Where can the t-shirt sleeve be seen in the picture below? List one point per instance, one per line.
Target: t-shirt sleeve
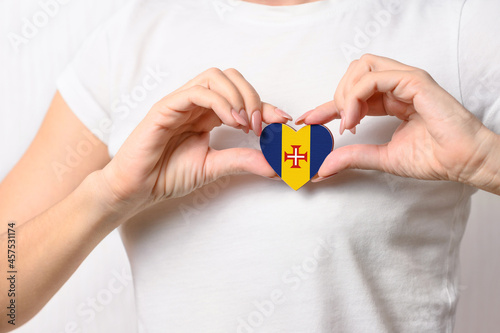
(85, 82)
(479, 60)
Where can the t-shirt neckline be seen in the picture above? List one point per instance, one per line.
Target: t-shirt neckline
(279, 14)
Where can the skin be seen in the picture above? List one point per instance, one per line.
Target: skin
(437, 140)
(168, 156)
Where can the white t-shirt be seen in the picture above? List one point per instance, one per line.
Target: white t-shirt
(362, 252)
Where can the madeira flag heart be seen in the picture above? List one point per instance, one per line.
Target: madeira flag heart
(296, 156)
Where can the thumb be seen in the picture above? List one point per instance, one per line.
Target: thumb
(232, 161)
(365, 157)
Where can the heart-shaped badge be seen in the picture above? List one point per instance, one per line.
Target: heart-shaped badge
(296, 156)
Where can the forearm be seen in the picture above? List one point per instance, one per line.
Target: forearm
(51, 246)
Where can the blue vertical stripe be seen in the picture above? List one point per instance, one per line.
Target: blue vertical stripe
(270, 143)
(321, 146)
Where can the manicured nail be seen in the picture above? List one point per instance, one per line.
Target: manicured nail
(282, 113)
(353, 130)
(320, 179)
(301, 119)
(243, 115)
(342, 122)
(239, 118)
(257, 122)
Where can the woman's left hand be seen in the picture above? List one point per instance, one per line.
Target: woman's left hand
(438, 138)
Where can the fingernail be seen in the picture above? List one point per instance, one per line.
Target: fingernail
(243, 115)
(239, 118)
(300, 120)
(320, 179)
(353, 130)
(257, 122)
(342, 122)
(282, 113)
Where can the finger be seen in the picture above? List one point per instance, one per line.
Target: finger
(371, 63)
(272, 114)
(358, 69)
(251, 98)
(269, 114)
(300, 120)
(235, 161)
(359, 99)
(344, 86)
(247, 108)
(255, 111)
(320, 115)
(220, 82)
(217, 80)
(379, 63)
(340, 90)
(172, 110)
(204, 123)
(365, 157)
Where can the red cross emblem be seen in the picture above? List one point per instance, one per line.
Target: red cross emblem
(295, 156)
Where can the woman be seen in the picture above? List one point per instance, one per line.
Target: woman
(366, 251)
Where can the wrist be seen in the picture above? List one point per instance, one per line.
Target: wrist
(109, 209)
(487, 175)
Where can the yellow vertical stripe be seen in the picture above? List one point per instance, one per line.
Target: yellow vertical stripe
(295, 177)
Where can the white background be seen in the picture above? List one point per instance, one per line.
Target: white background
(27, 84)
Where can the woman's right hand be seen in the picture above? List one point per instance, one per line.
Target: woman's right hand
(166, 156)
(168, 153)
